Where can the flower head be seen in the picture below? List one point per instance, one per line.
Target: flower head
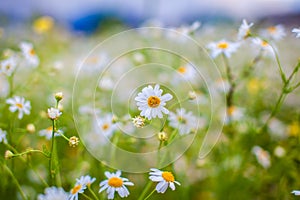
(73, 141)
(222, 47)
(162, 136)
(47, 132)
(53, 193)
(297, 31)
(262, 156)
(264, 45)
(19, 104)
(29, 54)
(58, 96)
(115, 183)
(8, 66)
(184, 121)
(107, 124)
(8, 154)
(296, 192)
(86, 180)
(3, 136)
(275, 32)
(138, 121)
(151, 102)
(79, 188)
(164, 179)
(53, 113)
(43, 24)
(244, 30)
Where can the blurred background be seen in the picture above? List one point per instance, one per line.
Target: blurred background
(88, 15)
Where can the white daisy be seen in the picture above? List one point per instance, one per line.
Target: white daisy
(184, 121)
(19, 104)
(222, 47)
(53, 193)
(296, 192)
(264, 45)
(297, 31)
(274, 32)
(115, 183)
(234, 113)
(86, 180)
(79, 188)
(244, 30)
(47, 132)
(164, 178)
(8, 66)
(151, 102)
(187, 72)
(106, 125)
(3, 136)
(54, 113)
(262, 156)
(29, 54)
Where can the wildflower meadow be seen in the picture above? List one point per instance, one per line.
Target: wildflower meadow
(198, 111)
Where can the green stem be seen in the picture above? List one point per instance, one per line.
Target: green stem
(150, 194)
(31, 151)
(86, 196)
(229, 95)
(11, 85)
(146, 189)
(283, 78)
(51, 173)
(93, 193)
(16, 182)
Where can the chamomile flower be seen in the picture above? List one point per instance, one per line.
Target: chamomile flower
(29, 54)
(79, 188)
(187, 72)
(106, 125)
(222, 47)
(244, 30)
(274, 32)
(138, 121)
(151, 102)
(54, 113)
(53, 193)
(164, 179)
(47, 133)
(297, 31)
(184, 121)
(19, 104)
(115, 183)
(296, 192)
(3, 136)
(262, 156)
(264, 45)
(8, 66)
(86, 180)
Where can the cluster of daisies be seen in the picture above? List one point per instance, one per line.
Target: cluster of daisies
(114, 183)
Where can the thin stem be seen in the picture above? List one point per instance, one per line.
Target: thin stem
(16, 181)
(93, 193)
(229, 95)
(295, 86)
(150, 194)
(31, 151)
(51, 173)
(86, 196)
(283, 78)
(248, 69)
(146, 189)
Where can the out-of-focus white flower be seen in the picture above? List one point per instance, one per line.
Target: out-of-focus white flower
(3, 136)
(86, 180)
(95, 62)
(222, 85)
(279, 151)
(164, 179)
(151, 102)
(8, 66)
(115, 183)
(234, 113)
(138, 57)
(244, 30)
(187, 72)
(29, 54)
(79, 188)
(296, 192)
(47, 133)
(106, 125)
(184, 121)
(54, 113)
(262, 156)
(297, 31)
(277, 129)
(106, 83)
(222, 47)
(53, 193)
(19, 104)
(264, 45)
(274, 32)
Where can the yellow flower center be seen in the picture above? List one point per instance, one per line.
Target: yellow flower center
(153, 101)
(272, 29)
(76, 189)
(105, 126)
(115, 182)
(19, 105)
(264, 43)
(223, 45)
(49, 128)
(181, 70)
(294, 128)
(168, 176)
(230, 110)
(32, 52)
(182, 120)
(7, 67)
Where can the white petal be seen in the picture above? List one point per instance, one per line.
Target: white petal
(172, 185)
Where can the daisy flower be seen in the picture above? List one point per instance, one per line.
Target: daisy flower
(184, 121)
(8, 66)
(79, 188)
(222, 47)
(115, 183)
(151, 102)
(262, 156)
(29, 54)
(86, 180)
(107, 125)
(164, 178)
(274, 32)
(244, 30)
(19, 104)
(297, 31)
(264, 45)
(138, 121)
(54, 113)
(296, 192)
(53, 193)
(187, 72)
(47, 132)
(3, 136)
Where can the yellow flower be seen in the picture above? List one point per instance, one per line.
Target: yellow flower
(294, 129)
(253, 86)
(43, 24)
